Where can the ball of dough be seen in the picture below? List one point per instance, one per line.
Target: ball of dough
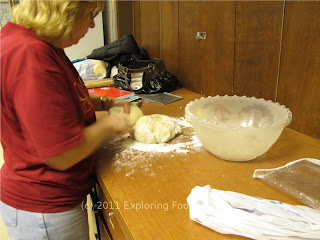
(155, 128)
(135, 113)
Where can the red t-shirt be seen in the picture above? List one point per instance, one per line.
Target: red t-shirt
(45, 107)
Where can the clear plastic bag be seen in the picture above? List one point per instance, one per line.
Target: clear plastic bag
(91, 69)
(300, 179)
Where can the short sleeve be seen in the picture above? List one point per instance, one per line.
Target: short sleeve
(48, 115)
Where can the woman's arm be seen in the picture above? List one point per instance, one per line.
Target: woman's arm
(105, 128)
(94, 135)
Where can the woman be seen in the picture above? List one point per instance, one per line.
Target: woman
(49, 129)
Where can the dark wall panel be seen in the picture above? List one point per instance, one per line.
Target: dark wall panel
(190, 49)
(169, 43)
(150, 27)
(257, 48)
(206, 66)
(218, 49)
(137, 21)
(299, 83)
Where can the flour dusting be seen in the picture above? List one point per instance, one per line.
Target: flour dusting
(135, 156)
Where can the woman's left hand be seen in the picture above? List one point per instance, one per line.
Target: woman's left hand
(123, 103)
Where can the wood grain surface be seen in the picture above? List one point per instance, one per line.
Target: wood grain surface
(299, 82)
(137, 21)
(150, 27)
(206, 66)
(190, 50)
(169, 41)
(257, 47)
(217, 60)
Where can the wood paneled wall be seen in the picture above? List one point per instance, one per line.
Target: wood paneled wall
(268, 49)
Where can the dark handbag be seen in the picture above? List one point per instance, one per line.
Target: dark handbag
(145, 76)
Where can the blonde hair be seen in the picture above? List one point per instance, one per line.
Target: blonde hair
(53, 20)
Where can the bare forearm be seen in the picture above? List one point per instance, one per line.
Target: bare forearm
(94, 135)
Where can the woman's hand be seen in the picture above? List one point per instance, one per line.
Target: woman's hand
(111, 102)
(118, 124)
(123, 103)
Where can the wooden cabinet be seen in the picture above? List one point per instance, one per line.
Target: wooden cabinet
(110, 226)
(104, 233)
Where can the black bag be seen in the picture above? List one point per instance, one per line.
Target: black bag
(120, 50)
(145, 76)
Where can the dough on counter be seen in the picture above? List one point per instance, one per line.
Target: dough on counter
(135, 113)
(155, 128)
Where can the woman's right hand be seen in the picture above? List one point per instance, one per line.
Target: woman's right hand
(119, 123)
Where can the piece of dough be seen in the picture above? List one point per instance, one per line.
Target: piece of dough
(155, 128)
(135, 113)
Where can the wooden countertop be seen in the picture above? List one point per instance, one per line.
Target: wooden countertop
(160, 183)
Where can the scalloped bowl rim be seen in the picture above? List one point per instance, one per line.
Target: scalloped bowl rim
(209, 124)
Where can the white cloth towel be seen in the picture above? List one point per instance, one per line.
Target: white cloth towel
(234, 213)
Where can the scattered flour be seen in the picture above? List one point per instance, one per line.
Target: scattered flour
(133, 156)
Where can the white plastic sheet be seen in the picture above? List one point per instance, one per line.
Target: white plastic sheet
(257, 218)
(90, 69)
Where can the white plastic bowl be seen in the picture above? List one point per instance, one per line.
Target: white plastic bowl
(237, 128)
